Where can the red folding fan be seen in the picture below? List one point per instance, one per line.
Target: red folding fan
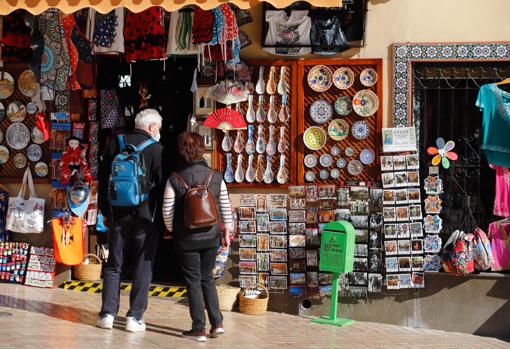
(225, 119)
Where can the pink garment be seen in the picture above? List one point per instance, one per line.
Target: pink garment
(499, 233)
(502, 197)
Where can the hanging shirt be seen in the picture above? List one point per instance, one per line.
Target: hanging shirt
(500, 243)
(106, 31)
(327, 36)
(495, 105)
(145, 35)
(502, 197)
(288, 31)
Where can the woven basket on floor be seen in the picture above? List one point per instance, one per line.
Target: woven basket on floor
(254, 306)
(227, 295)
(90, 271)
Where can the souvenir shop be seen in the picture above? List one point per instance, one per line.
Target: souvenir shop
(300, 133)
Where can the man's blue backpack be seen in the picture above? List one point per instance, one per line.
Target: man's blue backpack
(129, 184)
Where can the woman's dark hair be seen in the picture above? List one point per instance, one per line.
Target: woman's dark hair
(190, 146)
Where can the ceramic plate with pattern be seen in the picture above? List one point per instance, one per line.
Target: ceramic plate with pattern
(341, 163)
(6, 85)
(321, 111)
(27, 83)
(335, 173)
(335, 150)
(314, 138)
(355, 167)
(34, 152)
(320, 78)
(349, 152)
(365, 103)
(310, 160)
(338, 129)
(310, 176)
(37, 136)
(4, 154)
(17, 136)
(2, 111)
(32, 108)
(343, 78)
(367, 156)
(41, 169)
(343, 105)
(20, 160)
(368, 77)
(326, 160)
(360, 130)
(324, 174)
(16, 111)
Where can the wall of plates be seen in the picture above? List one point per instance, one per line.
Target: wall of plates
(340, 109)
(21, 144)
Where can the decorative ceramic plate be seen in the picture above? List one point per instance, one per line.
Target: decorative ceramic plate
(343, 105)
(34, 152)
(367, 156)
(338, 129)
(320, 78)
(310, 160)
(335, 173)
(4, 154)
(365, 103)
(368, 77)
(321, 111)
(355, 167)
(335, 150)
(360, 130)
(27, 83)
(341, 163)
(16, 111)
(17, 136)
(37, 136)
(314, 138)
(32, 108)
(349, 152)
(2, 111)
(20, 160)
(310, 176)
(41, 169)
(326, 160)
(324, 174)
(1, 135)
(6, 85)
(343, 78)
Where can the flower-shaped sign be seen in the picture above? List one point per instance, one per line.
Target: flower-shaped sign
(442, 153)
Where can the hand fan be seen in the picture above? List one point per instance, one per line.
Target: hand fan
(225, 119)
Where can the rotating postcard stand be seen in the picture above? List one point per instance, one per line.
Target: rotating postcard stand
(336, 256)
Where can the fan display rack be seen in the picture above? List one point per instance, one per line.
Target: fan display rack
(307, 96)
(290, 126)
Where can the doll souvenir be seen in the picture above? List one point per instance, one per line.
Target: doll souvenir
(144, 95)
(74, 161)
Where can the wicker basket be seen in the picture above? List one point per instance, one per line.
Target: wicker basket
(227, 295)
(254, 306)
(88, 272)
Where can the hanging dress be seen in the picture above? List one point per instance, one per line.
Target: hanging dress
(327, 37)
(106, 31)
(68, 23)
(16, 38)
(144, 34)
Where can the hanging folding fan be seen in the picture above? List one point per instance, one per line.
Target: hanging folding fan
(225, 119)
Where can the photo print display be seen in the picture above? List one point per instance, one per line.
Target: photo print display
(261, 201)
(297, 191)
(413, 178)
(418, 280)
(374, 240)
(279, 255)
(361, 236)
(311, 193)
(297, 203)
(278, 227)
(359, 222)
(247, 200)
(401, 196)
(360, 264)
(342, 196)
(278, 282)
(297, 240)
(312, 279)
(390, 247)
(404, 247)
(297, 278)
(413, 162)
(248, 240)
(263, 279)
(375, 261)
(375, 282)
(278, 268)
(247, 227)
(376, 221)
(326, 191)
(391, 264)
(414, 195)
(246, 213)
(297, 216)
(263, 261)
(297, 228)
(399, 162)
(262, 222)
(359, 194)
(278, 200)
(246, 267)
(392, 282)
(312, 237)
(311, 215)
(312, 258)
(376, 200)
(248, 281)
(404, 263)
(405, 281)
(297, 253)
(390, 231)
(358, 278)
(296, 265)
(278, 214)
(262, 242)
(389, 197)
(387, 163)
(400, 179)
(247, 254)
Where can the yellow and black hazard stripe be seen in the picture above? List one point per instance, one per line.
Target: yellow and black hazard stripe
(154, 291)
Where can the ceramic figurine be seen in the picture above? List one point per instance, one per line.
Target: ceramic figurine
(271, 146)
(283, 115)
(250, 144)
(268, 173)
(260, 146)
(283, 145)
(239, 143)
(260, 87)
(272, 115)
(283, 176)
(229, 172)
(226, 143)
(239, 175)
(261, 114)
(259, 172)
(282, 84)
(250, 171)
(250, 113)
(271, 83)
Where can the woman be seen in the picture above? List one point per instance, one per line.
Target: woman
(197, 247)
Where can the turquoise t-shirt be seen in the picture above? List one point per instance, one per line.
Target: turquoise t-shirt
(495, 105)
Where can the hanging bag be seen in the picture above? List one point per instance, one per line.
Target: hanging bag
(482, 250)
(26, 215)
(457, 254)
(68, 239)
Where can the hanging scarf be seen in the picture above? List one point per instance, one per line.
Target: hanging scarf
(202, 28)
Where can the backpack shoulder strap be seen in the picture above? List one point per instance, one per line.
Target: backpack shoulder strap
(145, 144)
(122, 141)
(181, 180)
(208, 180)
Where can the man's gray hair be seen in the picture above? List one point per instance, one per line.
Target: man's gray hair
(147, 117)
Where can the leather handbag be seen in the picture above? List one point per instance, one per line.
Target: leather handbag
(200, 210)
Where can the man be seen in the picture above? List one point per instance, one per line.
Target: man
(132, 225)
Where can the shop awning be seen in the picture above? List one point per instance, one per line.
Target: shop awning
(104, 6)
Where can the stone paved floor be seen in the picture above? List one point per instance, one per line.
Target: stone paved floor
(57, 318)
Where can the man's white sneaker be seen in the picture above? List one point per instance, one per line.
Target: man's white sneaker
(105, 321)
(134, 325)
